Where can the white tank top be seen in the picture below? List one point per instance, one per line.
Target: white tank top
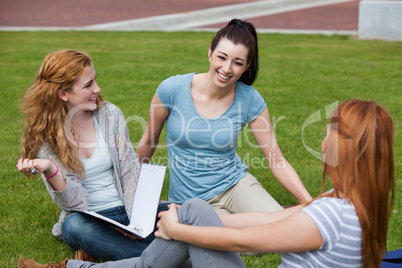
(99, 180)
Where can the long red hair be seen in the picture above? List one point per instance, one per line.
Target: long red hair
(359, 161)
(45, 113)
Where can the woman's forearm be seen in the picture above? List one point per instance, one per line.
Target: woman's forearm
(288, 177)
(294, 233)
(150, 139)
(55, 177)
(292, 230)
(217, 238)
(145, 151)
(245, 220)
(51, 172)
(281, 169)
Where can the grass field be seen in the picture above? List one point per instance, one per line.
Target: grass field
(299, 75)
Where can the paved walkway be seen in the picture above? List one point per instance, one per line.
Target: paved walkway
(338, 17)
(322, 16)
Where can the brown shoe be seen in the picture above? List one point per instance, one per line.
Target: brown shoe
(81, 255)
(28, 263)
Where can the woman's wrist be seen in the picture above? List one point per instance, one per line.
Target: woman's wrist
(175, 231)
(51, 171)
(55, 179)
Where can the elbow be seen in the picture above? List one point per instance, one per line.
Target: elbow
(145, 150)
(144, 156)
(79, 205)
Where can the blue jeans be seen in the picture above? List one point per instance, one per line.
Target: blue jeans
(172, 253)
(100, 239)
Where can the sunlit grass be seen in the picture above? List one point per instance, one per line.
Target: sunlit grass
(299, 75)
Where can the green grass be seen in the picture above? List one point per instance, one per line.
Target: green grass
(299, 75)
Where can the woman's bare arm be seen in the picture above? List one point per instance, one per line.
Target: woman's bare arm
(150, 139)
(295, 233)
(263, 132)
(250, 219)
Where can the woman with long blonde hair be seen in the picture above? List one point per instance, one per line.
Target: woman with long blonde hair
(344, 227)
(81, 147)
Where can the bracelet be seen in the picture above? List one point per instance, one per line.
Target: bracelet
(53, 174)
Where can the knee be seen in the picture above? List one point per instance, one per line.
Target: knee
(197, 212)
(196, 203)
(73, 226)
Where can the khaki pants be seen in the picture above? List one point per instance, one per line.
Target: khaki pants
(247, 195)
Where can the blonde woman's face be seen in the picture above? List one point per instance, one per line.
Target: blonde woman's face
(84, 91)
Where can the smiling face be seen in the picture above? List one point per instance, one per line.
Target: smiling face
(84, 90)
(227, 62)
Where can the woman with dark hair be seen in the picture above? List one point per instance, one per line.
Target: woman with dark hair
(204, 115)
(81, 147)
(344, 227)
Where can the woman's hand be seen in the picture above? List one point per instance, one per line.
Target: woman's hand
(33, 166)
(126, 234)
(169, 220)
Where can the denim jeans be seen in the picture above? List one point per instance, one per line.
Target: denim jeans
(100, 239)
(171, 254)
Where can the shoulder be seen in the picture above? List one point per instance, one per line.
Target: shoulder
(109, 116)
(251, 101)
(325, 205)
(326, 212)
(170, 89)
(330, 215)
(112, 107)
(337, 203)
(178, 78)
(176, 81)
(248, 92)
(109, 109)
(337, 222)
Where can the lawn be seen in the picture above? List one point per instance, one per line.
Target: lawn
(299, 76)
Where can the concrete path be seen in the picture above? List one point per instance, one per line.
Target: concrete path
(286, 16)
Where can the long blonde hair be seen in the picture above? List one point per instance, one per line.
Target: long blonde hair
(45, 113)
(360, 142)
